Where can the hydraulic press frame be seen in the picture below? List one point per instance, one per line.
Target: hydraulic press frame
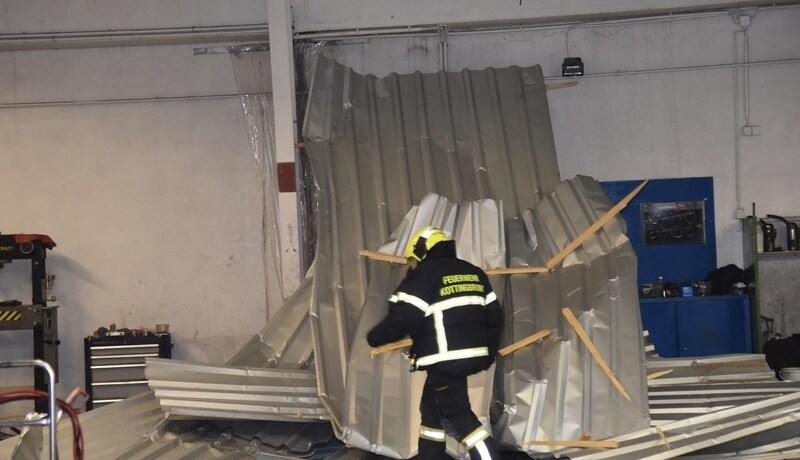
(39, 317)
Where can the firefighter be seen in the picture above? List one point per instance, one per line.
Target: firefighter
(448, 308)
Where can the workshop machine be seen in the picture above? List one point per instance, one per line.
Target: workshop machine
(39, 317)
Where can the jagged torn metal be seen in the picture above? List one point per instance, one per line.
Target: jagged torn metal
(555, 390)
(477, 227)
(381, 410)
(378, 146)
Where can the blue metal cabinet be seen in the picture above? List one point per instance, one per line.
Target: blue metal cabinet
(698, 326)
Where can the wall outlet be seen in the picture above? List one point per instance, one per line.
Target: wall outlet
(751, 130)
(741, 213)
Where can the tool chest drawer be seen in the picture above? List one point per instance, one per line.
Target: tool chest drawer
(115, 365)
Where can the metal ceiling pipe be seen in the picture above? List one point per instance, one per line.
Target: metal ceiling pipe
(133, 37)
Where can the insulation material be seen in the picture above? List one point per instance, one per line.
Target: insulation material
(598, 283)
(258, 121)
(378, 146)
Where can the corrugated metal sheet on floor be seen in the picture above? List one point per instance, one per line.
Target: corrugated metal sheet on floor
(187, 390)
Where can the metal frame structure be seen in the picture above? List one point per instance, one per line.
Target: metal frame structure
(39, 317)
(52, 418)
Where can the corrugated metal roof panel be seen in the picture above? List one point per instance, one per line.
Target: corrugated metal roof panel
(378, 146)
(187, 390)
(598, 283)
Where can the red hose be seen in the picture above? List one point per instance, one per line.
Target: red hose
(77, 432)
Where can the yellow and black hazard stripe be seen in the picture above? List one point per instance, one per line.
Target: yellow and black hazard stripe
(10, 315)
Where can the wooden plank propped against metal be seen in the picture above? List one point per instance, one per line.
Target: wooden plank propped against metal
(586, 234)
(516, 270)
(664, 438)
(578, 443)
(375, 255)
(658, 374)
(524, 342)
(561, 84)
(593, 350)
(391, 346)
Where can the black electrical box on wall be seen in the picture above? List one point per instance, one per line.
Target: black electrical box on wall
(572, 67)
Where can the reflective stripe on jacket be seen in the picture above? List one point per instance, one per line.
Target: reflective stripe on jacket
(447, 306)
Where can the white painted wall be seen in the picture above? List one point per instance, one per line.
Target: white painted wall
(663, 125)
(155, 206)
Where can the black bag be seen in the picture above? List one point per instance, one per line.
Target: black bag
(782, 353)
(721, 279)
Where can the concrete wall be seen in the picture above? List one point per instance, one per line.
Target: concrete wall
(156, 205)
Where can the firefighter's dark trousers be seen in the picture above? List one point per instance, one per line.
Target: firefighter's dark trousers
(445, 408)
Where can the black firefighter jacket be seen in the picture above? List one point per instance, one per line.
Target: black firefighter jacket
(448, 308)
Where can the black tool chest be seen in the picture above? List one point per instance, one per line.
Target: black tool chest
(115, 365)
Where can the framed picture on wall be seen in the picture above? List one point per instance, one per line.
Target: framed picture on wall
(678, 222)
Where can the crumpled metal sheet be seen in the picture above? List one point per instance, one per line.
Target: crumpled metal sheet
(706, 431)
(381, 412)
(285, 342)
(739, 368)
(703, 385)
(477, 226)
(377, 146)
(196, 391)
(598, 283)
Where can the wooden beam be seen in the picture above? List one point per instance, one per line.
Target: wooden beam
(593, 350)
(664, 438)
(559, 85)
(594, 227)
(585, 444)
(522, 343)
(516, 270)
(375, 255)
(658, 374)
(391, 346)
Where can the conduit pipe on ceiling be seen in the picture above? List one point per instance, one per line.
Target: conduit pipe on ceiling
(132, 37)
(433, 30)
(737, 19)
(443, 46)
(734, 65)
(21, 105)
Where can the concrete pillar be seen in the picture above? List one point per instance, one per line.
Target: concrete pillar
(283, 98)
